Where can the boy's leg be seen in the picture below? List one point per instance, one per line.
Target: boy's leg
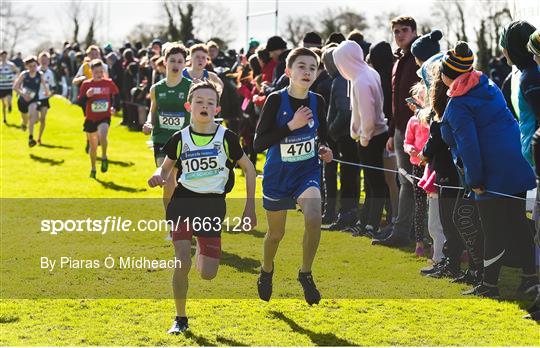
(310, 202)
(170, 183)
(4, 108)
(42, 115)
(93, 141)
(182, 251)
(207, 256)
(274, 235)
(33, 118)
(102, 132)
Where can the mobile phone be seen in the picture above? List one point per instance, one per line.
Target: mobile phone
(414, 102)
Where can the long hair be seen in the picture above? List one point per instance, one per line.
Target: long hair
(438, 96)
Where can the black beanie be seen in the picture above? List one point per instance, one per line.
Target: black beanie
(312, 39)
(457, 61)
(427, 45)
(275, 43)
(517, 36)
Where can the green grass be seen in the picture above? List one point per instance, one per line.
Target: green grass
(372, 295)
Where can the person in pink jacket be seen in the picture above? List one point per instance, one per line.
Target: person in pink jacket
(416, 136)
(368, 127)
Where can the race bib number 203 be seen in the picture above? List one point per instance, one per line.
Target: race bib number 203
(171, 120)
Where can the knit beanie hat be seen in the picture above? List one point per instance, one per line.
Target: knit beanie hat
(534, 43)
(457, 61)
(312, 39)
(427, 45)
(517, 35)
(275, 43)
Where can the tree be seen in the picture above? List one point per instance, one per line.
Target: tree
(213, 22)
(186, 22)
(74, 10)
(17, 23)
(89, 40)
(343, 20)
(296, 28)
(172, 31)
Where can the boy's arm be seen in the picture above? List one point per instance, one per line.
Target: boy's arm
(267, 134)
(162, 173)
(17, 84)
(251, 176)
(152, 114)
(45, 86)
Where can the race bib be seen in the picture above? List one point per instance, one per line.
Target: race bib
(100, 105)
(200, 164)
(171, 120)
(297, 148)
(29, 92)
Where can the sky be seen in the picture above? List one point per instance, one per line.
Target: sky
(120, 17)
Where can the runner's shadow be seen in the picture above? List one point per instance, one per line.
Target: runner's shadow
(318, 339)
(119, 163)
(230, 343)
(254, 233)
(242, 264)
(51, 146)
(45, 160)
(112, 186)
(13, 125)
(201, 341)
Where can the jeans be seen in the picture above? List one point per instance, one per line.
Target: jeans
(404, 220)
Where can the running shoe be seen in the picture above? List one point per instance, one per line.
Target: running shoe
(528, 285)
(311, 294)
(432, 268)
(31, 142)
(482, 290)
(264, 284)
(93, 174)
(104, 165)
(447, 270)
(468, 277)
(179, 325)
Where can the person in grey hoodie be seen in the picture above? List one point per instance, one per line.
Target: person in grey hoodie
(339, 124)
(368, 125)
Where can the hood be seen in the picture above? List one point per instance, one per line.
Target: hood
(381, 56)
(328, 61)
(349, 59)
(517, 37)
(427, 67)
(474, 84)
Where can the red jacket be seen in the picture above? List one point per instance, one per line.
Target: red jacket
(403, 78)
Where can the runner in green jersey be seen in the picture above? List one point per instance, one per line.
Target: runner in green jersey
(167, 112)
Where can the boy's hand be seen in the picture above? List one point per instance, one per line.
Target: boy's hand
(90, 92)
(390, 144)
(413, 153)
(26, 97)
(249, 214)
(325, 153)
(301, 118)
(156, 180)
(147, 128)
(479, 191)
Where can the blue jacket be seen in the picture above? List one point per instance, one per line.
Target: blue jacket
(481, 131)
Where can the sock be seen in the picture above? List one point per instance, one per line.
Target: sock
(183, 320)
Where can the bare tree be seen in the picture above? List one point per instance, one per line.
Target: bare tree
(17, 23)
(89, 40)
(296, 28)
(341, 20)
(172, 30)
(74, 11)
(214, 21)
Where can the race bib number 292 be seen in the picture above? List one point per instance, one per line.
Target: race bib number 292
(100, 105)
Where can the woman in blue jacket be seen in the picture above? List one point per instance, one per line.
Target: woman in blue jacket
(485, 142)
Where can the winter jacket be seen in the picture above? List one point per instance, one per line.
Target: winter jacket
(416, 136)
(439, 157)
(403, 78)
(382, 60)
(339, 104)
(366, 96)
(481, 131)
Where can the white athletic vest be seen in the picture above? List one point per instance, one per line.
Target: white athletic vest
(204, 168)
(48, 75)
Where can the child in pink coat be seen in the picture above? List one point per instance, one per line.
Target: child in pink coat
(416, 136)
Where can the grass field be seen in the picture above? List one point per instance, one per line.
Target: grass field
(372, 295)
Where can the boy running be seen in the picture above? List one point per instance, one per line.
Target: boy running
(198, 55)
(291, 120)
(8, 71)
(28, 85)
(96, 95)
(43, 100)
(167, 111)
(205, 154)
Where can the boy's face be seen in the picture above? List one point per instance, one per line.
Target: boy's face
(44, 61)
(403, 35)
(303, 71)
(199, 59)
(213, 52)
(93, 54)
(32, 67)
(3, 57)
(203, 106)
(175, 64)
(98, 72)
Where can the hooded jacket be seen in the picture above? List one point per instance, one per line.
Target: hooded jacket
(382, 60)
(367, 95)
(481, 131)
(339, 103)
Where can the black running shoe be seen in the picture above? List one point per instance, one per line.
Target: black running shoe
(528, 285)
(179, 325)
(468, 277)
(31, 142)
(104, 165)
(447, 270)
(426, 271)
(311, 294)
(484, 291)
(264, 284)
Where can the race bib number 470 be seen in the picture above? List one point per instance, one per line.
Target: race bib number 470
(171, 120)
(100, 105)
(297, 148)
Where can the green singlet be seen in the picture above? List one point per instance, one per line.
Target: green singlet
(171, 113)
